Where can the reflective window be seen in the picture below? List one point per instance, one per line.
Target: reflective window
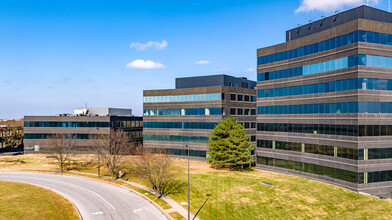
(240, 98)
(347, 130)
(253, 111)
(356, 36)
(182, 152)
(340, 63)
(253, 98)
(66, 124)
(185, 98)
(247, 111)
(335, 86)
(328, 108)
(247, 99)
(180, 125)
(246, 125)
(348, 153)
(66, 136)
(186, 111)
(310, 168)
(174, 138)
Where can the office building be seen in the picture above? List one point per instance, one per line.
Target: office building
(324, 102)
(183, 117)
(83, 126)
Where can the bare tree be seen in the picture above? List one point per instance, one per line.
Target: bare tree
(12, 137)
(112, 147)
(156, 166)
(60, 148)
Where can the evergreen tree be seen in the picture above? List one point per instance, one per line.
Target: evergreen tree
(229, 145)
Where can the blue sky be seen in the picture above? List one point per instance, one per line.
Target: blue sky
(57, 55)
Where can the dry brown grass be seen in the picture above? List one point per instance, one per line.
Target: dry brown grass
(241, 195)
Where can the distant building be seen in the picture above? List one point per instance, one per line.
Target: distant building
(83, 126)
(324, 101)
(184, 116)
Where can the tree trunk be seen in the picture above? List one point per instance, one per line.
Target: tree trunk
(61, 167)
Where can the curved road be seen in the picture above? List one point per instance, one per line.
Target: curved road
(94, 199)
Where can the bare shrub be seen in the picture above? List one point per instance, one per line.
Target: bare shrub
(60, 148)
(156, 166)
(111, 148)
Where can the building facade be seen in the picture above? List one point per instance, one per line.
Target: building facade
(82, 126)
(324, 102)
(175, 119)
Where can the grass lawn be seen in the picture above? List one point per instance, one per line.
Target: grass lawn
(24, 201)
(241, 195)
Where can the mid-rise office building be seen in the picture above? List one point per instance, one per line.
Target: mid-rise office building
(324, 101)
(183, 117)
(83, 126)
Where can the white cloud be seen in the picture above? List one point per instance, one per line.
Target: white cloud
(144, 64)
(202, 62)
(249, 70)
(153, 44)
(329, 5)
(220, 70)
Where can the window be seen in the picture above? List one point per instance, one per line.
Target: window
(247, 99)
(186, 111)
(67, 124)
(253, 111)
(313, 168)
(180, 125)
(246, 125)
(240, 111)
(253, 125)
(330, 65)
(239, 98)
(253, 98)
(184, 98)
(232, 97)
(252, 138)
(247, 111)
(232, 111)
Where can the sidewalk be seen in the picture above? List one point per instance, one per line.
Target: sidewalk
(175, 206)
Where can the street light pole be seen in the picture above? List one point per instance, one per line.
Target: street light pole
(189, 203)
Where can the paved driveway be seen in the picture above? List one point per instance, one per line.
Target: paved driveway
(94, 199)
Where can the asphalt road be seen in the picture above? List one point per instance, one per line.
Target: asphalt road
(94, 199)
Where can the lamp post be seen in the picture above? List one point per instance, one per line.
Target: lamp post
(189, 203)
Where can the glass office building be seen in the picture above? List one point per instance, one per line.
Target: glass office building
(83, 127)
(324, 102)
(175, 119)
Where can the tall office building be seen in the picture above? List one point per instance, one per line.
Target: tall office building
(183, 117)
(324, 101)
(83, 126)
